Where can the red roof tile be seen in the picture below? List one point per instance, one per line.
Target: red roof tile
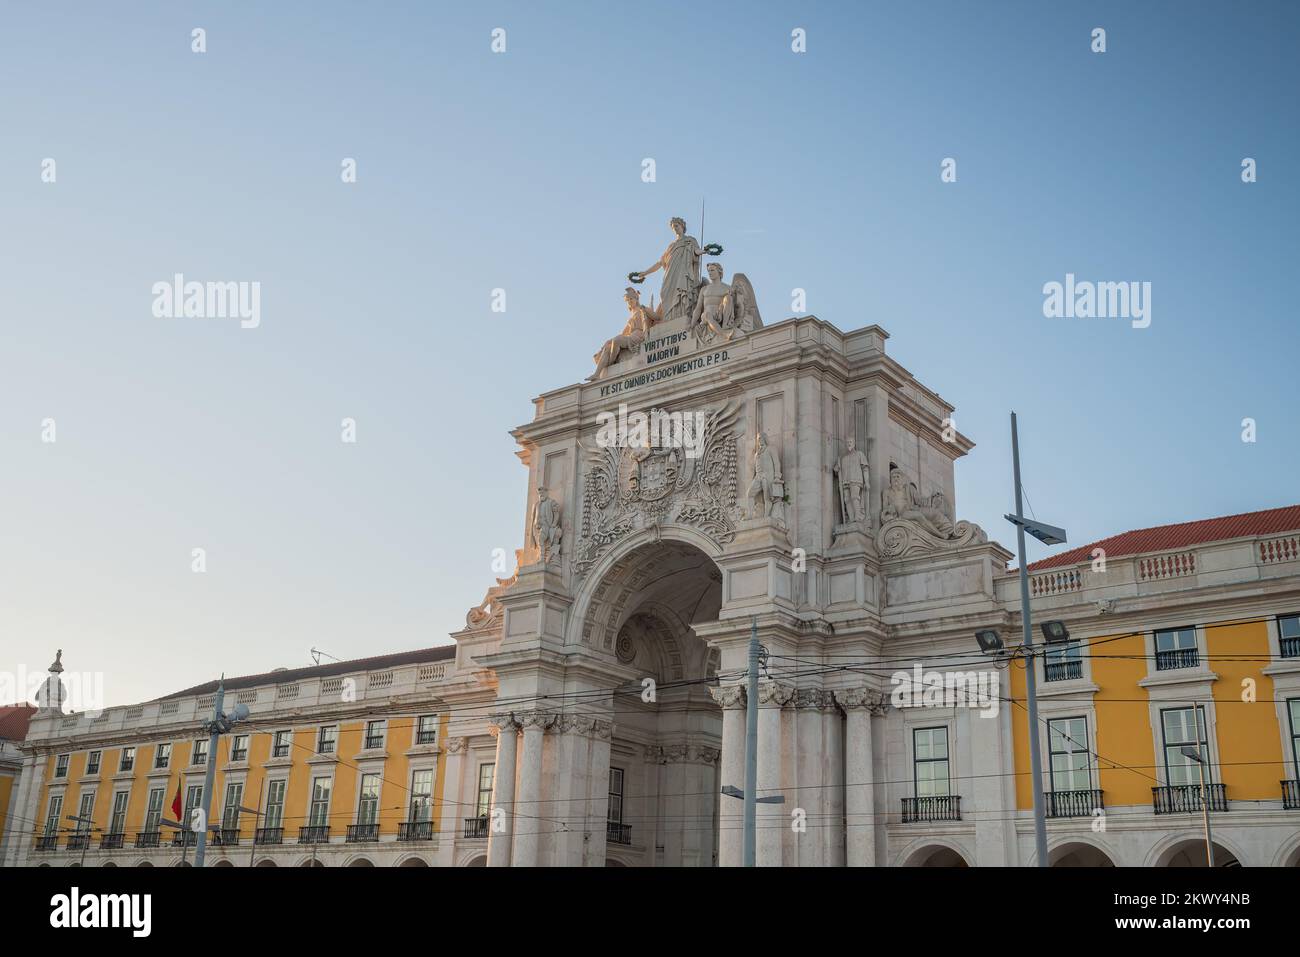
(14, 720)
(1271, 521)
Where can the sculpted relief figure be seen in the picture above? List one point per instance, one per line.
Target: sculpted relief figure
(680, 264)
(640, 319)
(901, 500)
(767, 484)
(852, 475)
(546, 526)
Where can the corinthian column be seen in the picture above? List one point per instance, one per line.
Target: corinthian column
(859, 788)
(731, 813)
(772, 699)
(501, 814)
(528, 835)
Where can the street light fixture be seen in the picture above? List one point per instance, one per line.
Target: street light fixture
(1055, 632)
(220, 724)
(989, 640)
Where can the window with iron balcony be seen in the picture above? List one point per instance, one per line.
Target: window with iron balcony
(1176, 648)
(1288, 634)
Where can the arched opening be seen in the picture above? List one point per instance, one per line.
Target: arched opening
(183, 864)
(223, 864)
(361, 862)
(144, 864)
(478, 862)
(109, 864)
(266, 863)
(936, 856)
(641, 610)
(413, 862)
(311, 863)
(1293, 859)
(1079, 854)
(1191, 853)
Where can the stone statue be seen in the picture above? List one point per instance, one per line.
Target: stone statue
(51, 695)
(546, 526)
(767, 483)
(640, 319)
(853, 475)
(707, 316)
(681, 267)
(901, 500)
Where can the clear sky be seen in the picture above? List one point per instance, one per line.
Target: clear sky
(522, 171)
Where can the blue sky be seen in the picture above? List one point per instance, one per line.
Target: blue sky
(522, 171)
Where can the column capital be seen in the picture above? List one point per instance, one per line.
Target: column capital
(539, 720)
(772, 694)
(866, 698)
(728, 696)
(500, 722)
(585, 724)
(814, 699)
(456, 745)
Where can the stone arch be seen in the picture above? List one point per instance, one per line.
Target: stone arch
(145, 864)
(109, 864)
(224, 863)
(267, 862)
(414, 860)
(1078, 852)
(1186, 848)
(479, 861)
(1289, 854)
(360, 861)
(600, 607)
(933, 852)
(311, 862)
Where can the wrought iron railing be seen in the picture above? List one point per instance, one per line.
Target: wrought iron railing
(1177, 798)
(1291, 647)
(945, 807)
(618, 833)
(148, 839)
(47, 842)
(362, 833)
(415, 831)
(314, 834)
(1291, 795)
(1174, 658)
(1062, 670)
(476, 827)
(1072, 803)
(269, 835)
(111, 842)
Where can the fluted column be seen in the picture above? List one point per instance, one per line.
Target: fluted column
(731, 812)
(859, 783)
(501, 814)
(453, 811)
(530, 818)
(772, 699)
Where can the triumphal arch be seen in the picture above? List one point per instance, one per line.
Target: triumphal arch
(712, 473)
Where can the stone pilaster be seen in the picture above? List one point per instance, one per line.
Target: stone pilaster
(772, 700)
(529, 817)
(859, 787)
(731, 698)
(501, 814)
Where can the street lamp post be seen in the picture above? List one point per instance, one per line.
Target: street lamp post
(1195, 754)
(1050, 535)
(219, 725)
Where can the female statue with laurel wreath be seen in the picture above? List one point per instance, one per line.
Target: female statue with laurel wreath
(681, 266)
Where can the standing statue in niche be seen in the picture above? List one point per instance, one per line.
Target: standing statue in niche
(853, 477)
(902, 500)
(767, 484)
(546, 526)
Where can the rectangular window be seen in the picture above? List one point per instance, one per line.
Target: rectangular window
(1293, 706)
(327, 739)
(426, 731)
(274, 816)
(1176, 648)
(1067, 747)
(86, 811)
(153, 813)
(1061, 662)
(53, 814)
(368, 808)
(199, 753)
(283, 741)
(162, 756)
(615, 815)
(1180, 729)
(374, 735)
(239, 747)
(128, 759)
(483, 805)
(118, 822)
(61, 766)
(421, 796)
(1288, 633)
(930, 750)
(320, 802)
(230, 813)
(191, 802)
(92, 762)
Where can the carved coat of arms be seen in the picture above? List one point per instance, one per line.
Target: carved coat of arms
(631, 487)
